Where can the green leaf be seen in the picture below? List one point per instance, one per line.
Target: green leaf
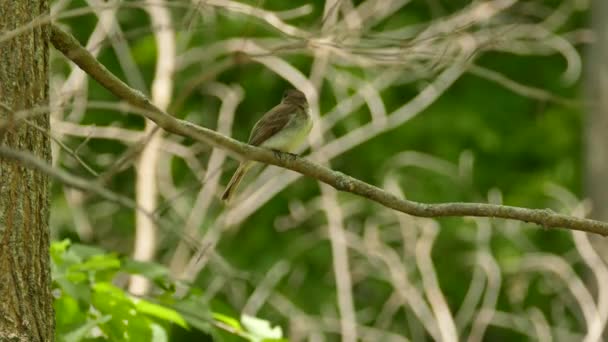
(159, 334)
(80, 291)
(107, 296)
(232, 322)
(196, 321)
(85, 251)
(261, 329)
(194, 308)
(159, 274)
(138, 327)
(67, 311)
(58, 248)
(108, 287)
(126, 324)
(76, 276)
(81, 332)
(69, 258)
(99, 262)
(160, 312)
(148, 269)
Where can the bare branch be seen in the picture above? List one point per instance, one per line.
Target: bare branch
(146, 186)
(521, 89)
(66, 178)
(70, 47)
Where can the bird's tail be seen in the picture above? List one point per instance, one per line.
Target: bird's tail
(235, 180)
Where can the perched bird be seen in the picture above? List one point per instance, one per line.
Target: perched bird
(283, 128)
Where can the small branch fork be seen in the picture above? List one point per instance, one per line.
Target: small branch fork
(70, 47)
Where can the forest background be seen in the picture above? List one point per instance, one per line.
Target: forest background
(436, 101)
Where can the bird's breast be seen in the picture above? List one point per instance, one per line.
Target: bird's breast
(291, 136)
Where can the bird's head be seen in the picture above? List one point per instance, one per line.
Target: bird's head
(294, 96)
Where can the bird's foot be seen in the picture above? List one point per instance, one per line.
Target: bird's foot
(284, 155)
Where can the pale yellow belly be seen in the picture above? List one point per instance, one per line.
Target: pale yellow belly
(290, 137)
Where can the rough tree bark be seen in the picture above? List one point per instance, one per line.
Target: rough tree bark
(26, 311)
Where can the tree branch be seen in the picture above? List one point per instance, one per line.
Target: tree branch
(70, 47)
(29, 160)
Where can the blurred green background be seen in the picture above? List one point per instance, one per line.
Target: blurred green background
(518, 148)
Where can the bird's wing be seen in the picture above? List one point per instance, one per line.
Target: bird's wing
(273, 121)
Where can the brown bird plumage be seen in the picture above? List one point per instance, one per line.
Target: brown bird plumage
(282, 128)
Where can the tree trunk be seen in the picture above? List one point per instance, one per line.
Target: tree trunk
(26, 305)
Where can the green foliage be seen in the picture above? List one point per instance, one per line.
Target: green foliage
(250, 328)
(90, 307)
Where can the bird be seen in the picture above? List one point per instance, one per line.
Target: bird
(283, 128)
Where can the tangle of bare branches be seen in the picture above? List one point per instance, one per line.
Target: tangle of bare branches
(546, 218)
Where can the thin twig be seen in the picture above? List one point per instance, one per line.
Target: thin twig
(66, 178)
(69, 151)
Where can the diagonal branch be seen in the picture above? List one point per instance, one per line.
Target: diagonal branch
(70, 47)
